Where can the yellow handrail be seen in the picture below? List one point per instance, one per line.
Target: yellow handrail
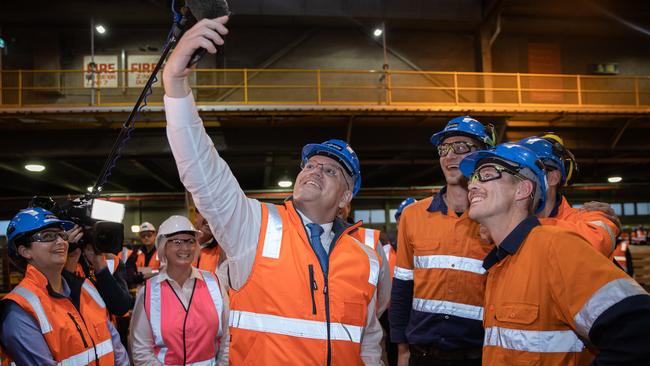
(28, 88)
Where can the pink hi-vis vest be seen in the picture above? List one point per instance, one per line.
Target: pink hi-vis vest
(185, 336)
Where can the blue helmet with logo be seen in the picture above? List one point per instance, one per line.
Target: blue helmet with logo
(340, 151)
(402, 206)
(514, 156)
(466, 126)
(30, 220)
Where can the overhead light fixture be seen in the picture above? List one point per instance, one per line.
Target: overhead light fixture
(378, 32)
(90, 189)
(37, 168)
(100, 29)
(615, 179)
(135, 229)
(285, 183)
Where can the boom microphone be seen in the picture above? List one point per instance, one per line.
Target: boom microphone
(202, 9)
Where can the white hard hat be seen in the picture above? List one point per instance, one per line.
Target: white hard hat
(174, 224)
(147, 226)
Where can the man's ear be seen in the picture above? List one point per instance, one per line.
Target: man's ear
(554, 177)
(345, 199)
(524, 190)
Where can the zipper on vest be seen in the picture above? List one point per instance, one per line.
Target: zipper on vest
(313, 287)
(83, 339)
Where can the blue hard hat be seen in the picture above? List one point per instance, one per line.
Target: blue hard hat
(340, 151)
(403, 205)
(31, 220)
(516, 156)
(466, 126)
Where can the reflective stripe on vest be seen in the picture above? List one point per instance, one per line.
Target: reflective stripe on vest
(607, 296)
(210, 362)
(369, 238)
(403, 274)
(449, 262)
(273, 236)
(125, 254)
(215, 293)
(155, 315)
(533, 340)
(35, 303)
(387, 252)
(85, 357)
(449, 308)
(294, 327)
(110, 263)
(612, 237)
(92, 291)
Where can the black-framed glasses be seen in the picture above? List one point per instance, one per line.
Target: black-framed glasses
(489, 172)
(177, 243)
(330, 170)
(49, 236)
(459, 148)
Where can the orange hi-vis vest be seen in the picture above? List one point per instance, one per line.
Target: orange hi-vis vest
(124, 254)
(542, 300)
(185, 336)
(289, 311)
(4, 358)
(154, 262)
(597, 229)
(208, 259)
(74, 337)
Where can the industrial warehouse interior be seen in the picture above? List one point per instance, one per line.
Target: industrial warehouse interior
(381, 75)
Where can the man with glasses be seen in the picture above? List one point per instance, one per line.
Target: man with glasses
(436, 306)
(549, 296)
(143, 263)
(303, 290)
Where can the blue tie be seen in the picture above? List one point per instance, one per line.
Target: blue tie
(314, 239)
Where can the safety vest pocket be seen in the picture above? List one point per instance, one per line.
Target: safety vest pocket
(354, 312)
(518, 313)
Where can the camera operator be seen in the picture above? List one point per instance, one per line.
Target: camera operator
(143, 263)
(110, 281)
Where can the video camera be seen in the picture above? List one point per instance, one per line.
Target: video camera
(100, 220)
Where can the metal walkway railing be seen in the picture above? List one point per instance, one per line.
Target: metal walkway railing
(68, 88)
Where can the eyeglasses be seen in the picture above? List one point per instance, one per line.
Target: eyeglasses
(488, 173)
(48, 236)
(146, 234)
(177, 243)
(459, 147)
(329, 169)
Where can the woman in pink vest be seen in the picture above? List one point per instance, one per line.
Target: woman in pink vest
(179, 315)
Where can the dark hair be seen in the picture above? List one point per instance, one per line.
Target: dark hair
(18, 260)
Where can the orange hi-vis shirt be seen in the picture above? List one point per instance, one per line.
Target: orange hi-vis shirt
(439, 279)
(208, 258)
(546, 288)
(154, 262)
(370, 237)
(291, 312)
(74, 337)
(594, 226)
(391, 256)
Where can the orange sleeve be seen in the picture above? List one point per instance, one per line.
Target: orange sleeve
(593, 226)
(404, 245)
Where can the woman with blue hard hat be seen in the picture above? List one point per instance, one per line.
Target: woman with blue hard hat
(546, 279)
(43, 321)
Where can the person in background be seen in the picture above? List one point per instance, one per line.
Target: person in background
(44, 320)
(209, 256)
(180, 316)
(143, 263)
(549, 296)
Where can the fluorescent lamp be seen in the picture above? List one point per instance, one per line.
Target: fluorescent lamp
(377, 32)
(615, 179)
(100, 29)
(135, 228)
(285, 183)
(35, 167)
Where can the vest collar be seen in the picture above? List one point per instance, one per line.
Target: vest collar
(511, 243)
(38, 279)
